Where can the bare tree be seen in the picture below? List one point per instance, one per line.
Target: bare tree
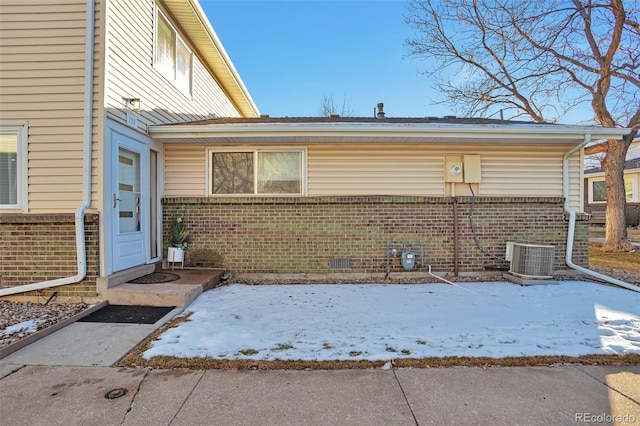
(328, 107)
(540, 59)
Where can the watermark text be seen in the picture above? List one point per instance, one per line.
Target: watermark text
(605, 418)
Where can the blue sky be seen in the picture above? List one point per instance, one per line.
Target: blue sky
(290, 54)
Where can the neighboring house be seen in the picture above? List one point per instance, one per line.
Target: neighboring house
(634, 149)
(596, 195)
(81, 82)
(100, 160)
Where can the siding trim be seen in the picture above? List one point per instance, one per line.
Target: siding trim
(21, 128)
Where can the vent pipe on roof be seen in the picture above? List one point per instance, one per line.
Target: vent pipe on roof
(380, 113)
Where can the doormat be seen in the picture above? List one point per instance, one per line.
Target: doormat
(123, 314)
(156, 278)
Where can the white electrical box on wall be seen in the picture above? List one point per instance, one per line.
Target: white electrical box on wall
(453, 171)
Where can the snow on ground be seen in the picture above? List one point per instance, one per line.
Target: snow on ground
(20, 330)
(381, 322)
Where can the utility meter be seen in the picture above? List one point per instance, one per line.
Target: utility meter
(454, 171)
(408, 260)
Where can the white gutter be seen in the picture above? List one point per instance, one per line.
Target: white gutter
(81, 252)
(572, 223)
(556, 134)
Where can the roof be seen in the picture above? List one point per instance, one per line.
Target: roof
(634, 163)
(201, 34)
(335, 129)
(338, 119)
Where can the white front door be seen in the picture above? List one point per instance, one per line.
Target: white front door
(130, 189)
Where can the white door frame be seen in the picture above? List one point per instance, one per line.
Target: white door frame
(141, 144)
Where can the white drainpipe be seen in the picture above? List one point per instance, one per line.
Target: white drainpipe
(572, 224)
(81, 251)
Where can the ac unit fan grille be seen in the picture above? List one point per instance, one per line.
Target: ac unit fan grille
(532, 261)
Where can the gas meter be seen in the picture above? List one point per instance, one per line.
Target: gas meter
(408, 260)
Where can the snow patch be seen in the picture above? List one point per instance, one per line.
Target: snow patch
(381, 322)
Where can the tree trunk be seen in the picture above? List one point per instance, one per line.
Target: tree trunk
(616, 239)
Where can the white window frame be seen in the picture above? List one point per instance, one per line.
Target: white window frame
(19, 128)
(179, 40)
(635, 186)
(255, 151)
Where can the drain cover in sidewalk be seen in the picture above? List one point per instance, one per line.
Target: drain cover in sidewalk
(123, 314)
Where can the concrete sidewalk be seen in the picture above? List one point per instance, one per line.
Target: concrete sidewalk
(86, 344)
(58, 395)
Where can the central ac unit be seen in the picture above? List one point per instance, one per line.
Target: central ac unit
(530, 261)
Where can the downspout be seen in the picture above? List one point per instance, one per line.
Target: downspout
(455, 237)
(81, 252)
(572, 224)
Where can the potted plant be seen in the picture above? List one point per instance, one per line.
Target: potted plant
(180, 240)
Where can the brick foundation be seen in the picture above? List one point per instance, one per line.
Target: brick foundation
(632, 211)
(301, 235)
(43, 247)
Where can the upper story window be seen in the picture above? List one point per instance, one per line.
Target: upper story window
(13, 165)
(172, 58)
(257, 172)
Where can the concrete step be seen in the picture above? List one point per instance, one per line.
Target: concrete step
(179, 293)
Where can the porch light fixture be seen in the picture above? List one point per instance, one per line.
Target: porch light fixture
(132, 103)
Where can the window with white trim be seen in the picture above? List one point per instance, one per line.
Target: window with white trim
(172, 57)
(257, 172)
(598, 190)
(13, 163)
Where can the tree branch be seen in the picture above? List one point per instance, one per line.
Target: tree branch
(595, 149)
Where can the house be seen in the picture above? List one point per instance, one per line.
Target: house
(323, 195)
(119, 116)
(595, 195)
(81, 83)
(634, 149)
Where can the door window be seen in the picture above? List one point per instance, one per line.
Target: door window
(128, 191)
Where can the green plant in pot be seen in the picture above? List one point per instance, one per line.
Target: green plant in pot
(180, 240)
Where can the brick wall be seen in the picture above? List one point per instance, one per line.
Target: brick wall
(632, 211)
(38, 248)
(301, 235)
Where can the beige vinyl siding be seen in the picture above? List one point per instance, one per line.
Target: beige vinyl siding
(42, 82)
(185, 170)
(576, 182)
(387, 169)
(537, 172)
(418, 170)
(374, 170)
(131, 73)
(530, 171)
